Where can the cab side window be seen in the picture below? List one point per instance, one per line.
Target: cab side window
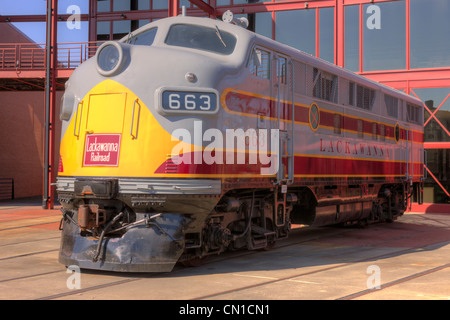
(259, 63)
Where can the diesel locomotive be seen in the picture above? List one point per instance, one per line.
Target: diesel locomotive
(192, 136)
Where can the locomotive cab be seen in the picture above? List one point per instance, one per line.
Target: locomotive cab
(125, 208)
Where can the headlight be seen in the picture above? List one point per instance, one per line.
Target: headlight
(110, 58)
(68, 101)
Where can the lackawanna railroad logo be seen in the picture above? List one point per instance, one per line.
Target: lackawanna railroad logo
(102, 150)
(354, 148)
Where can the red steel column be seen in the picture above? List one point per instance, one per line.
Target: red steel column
(92, 18)
(50, 99)
(173, 7)
(339, 53)
(361, 38)
(317, 32)
(408, 35)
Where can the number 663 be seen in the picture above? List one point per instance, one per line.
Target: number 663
(188, 101)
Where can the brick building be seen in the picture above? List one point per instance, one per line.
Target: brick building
(22, 109)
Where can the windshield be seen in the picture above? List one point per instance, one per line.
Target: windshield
(144, 38)
(202, 38)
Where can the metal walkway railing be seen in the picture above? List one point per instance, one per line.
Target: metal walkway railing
(31, 56)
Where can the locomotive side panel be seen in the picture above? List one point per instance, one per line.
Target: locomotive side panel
(345, 141)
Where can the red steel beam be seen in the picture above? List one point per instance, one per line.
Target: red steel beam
(436, 110)
(276, 6)
(37, 17)
(22, 73)
(63, 73)
(204, 6)
(352, 2)
(6, 88)
(29, 83)
(131, 15)
(436, 145)
(430, 207)
(437, 181)
(427, 78)
(432, 115)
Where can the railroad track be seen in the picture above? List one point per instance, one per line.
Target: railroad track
(297, 239)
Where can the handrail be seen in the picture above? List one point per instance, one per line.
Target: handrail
(134, 136)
